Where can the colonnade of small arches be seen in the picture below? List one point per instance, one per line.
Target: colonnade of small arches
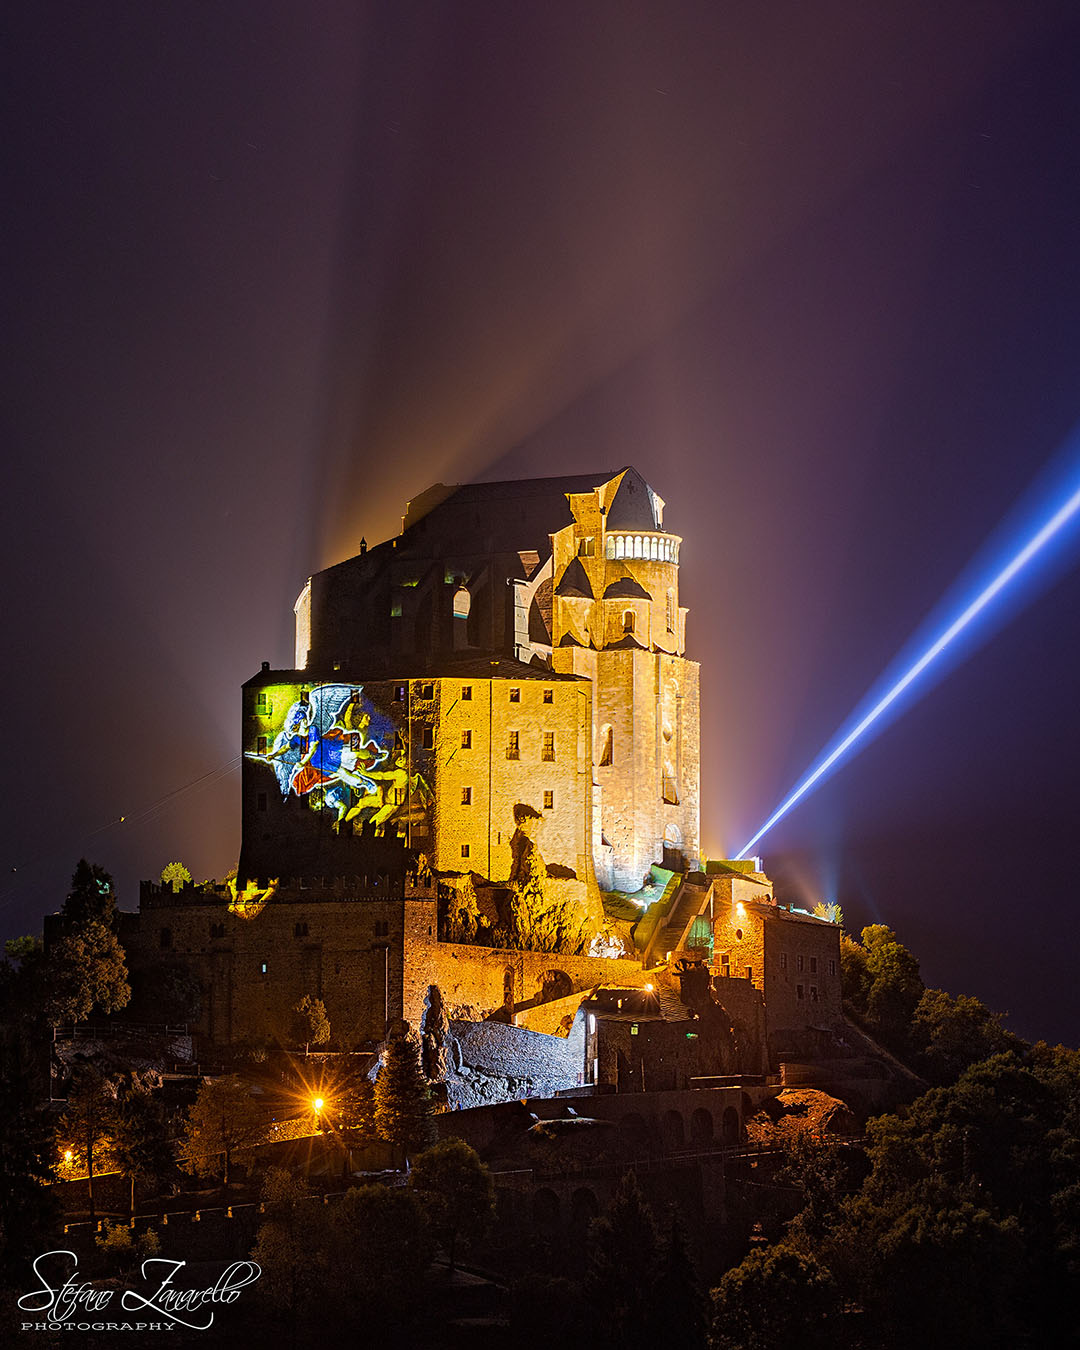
(648, 547)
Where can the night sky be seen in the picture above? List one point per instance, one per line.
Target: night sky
(271, 269)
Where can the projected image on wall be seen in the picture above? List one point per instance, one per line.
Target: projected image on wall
(343, 755)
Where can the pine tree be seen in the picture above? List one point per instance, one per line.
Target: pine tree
(403, 1107)
(622, 1270)
(91, 896)
(678, 1293)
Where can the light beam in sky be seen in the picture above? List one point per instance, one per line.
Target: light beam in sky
(1042, 536)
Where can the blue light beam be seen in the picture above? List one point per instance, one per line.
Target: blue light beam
(1057, 521)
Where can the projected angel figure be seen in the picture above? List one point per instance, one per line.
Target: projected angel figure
(325, 742)
(396, 795)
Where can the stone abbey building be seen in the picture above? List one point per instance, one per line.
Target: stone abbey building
(479, 786)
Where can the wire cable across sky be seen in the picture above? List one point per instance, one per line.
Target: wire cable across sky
(1038, 541)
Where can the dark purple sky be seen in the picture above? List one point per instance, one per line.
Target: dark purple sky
(270, 269)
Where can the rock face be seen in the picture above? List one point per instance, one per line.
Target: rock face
(540, 907)
(433, 1031)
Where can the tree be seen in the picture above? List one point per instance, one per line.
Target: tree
(403, 1108)
(621, 1270)
(777, 1296)
(141, 1146)
(292, 1246)
(677, 1291)
(224, 1123)
(86, 969)
(380, 1235)
(28, 1206)
(88, 1119)
(310, 1022)
(175, 874)
(91, 897)
(456, 1191)
(950, 1034)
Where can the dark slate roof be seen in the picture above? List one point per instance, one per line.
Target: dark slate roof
(632, 506)
(627, 643)
(574, 583)
(638, 1005)
(626, 588)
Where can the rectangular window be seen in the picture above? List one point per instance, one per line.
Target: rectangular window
(832, 967)
(813, 993)
(466, 796)
(515, 695)
(749, 972)
(798, 991)
(260, 801)
(395, 609)
(427, 738)
(300, 930)
(549, 695)
(399, 693)
(607, 750)
(466, 693)
(427, 691)
(587, 547)
(382, 928)
(513, 749)
(813, 965)
(217, 930)
(799, 963)
(464, 850)
(466, 740)
(263, 967)
(548, 750)
(261, 745)
(783, 960)
(263, 705)
(549, 801)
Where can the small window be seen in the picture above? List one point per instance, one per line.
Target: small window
(300, 930)
(462, 603)
(263, 967)
(165, 937)
(466, 740)
(427, 738)
(738, 934)
(513, 748)
(263, 704)
(382, 927)
(725, 964)
(628, 621)
(464, 850)
(800, 962)
(395, 609)
(783, 960)
(832, 967)
(260, 801)
(217, 930)
(515, 695)
(548, 751)
(587, 547)
(261, 745)
(427, 691)
(749, 972)
(813, 993)
(399, 693)
(466, 693)
(798, 991)
(549, 801)
(607, 749)
(466, 796)
(549, 695)
(669, 611)
(813, 965)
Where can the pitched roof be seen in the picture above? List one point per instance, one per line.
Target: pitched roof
(574, 583)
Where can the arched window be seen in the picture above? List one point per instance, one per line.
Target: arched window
(638, 542)
(609, 546)
(620, 547)
(462, 602)
(628, 621)
(607, 738)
